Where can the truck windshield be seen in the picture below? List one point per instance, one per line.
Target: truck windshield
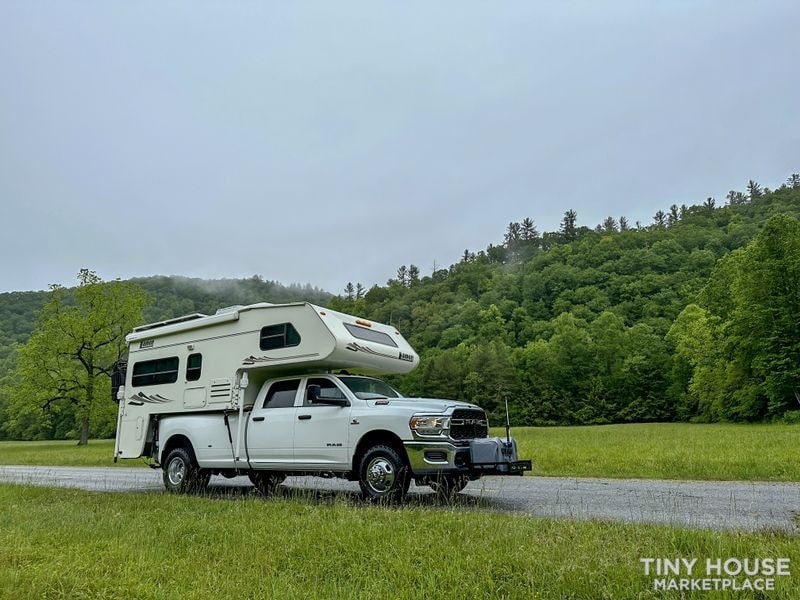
(367, 388)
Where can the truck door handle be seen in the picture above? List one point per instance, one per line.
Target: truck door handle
(258, 418)
(304, 417)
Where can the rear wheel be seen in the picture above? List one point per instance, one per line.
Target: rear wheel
(181, 473)
(266, 482)
(383, 475)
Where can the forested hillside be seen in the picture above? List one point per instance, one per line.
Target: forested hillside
(691, 316)
(169, 297)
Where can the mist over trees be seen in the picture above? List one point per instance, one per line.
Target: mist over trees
(28, 409)
(692, 316)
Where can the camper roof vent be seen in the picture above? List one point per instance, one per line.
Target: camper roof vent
(182, 319)
(228, 309)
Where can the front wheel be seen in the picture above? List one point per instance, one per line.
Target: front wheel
(383, 475)
(181, 473)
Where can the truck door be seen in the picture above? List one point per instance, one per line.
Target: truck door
(322, 431)
(270, 432)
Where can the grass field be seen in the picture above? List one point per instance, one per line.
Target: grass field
(665, 451)
(63, 453)
(75, 544)
(661, 450)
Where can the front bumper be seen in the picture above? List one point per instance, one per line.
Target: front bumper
(471, 458)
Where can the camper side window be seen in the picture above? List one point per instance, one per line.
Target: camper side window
(282, 394)
(193, 367)
(279, 336)
(155, 372)
(370, 335)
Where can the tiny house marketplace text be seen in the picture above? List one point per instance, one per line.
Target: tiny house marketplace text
(715, 574)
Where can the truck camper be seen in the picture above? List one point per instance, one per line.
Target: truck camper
(270, 390)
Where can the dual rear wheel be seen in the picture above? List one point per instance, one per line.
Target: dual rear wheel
(181, 473)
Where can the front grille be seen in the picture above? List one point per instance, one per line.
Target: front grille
(468, 423)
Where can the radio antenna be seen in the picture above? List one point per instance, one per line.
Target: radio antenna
(508, 424)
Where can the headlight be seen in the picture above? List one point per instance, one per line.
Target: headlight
(429, 424)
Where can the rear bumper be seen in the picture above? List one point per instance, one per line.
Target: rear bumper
(434, 458)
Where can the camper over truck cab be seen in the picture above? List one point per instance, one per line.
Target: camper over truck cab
(270, 390)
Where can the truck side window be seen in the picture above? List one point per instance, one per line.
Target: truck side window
(155, 372)
(281, 394)
(193, 367)
(279, 336)
(327, 389)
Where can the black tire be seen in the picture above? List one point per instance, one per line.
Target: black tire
(447, 486)
(181, 473)
(383, 475)
(266, 482)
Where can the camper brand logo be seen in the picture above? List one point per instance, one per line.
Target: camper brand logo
(146, 343)
(406, 357)
(715, 574)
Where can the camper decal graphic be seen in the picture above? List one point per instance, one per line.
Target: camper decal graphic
(140, 398)
(252, 360)
(358, 348)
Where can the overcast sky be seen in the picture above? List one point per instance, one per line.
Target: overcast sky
(324, 142)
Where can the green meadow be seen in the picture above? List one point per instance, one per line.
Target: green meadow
(60, 543)
(648, 451)
(664, 451)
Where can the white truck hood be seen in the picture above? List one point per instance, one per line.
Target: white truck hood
(426, 405)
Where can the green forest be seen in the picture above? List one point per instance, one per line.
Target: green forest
(26, 409)
(694, 316)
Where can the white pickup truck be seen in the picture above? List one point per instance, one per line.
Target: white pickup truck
(260, 390)
(347, 426)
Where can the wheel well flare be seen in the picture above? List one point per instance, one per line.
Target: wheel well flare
(377, 437)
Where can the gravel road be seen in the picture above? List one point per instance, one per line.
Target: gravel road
(702, 504)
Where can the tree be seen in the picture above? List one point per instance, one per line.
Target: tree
(413, 275)
(754, 190)
(793, 181)
(709, 203)
(623, 224)
(349, 291)
(569, 228)
(69, 357)
(673, 217)
(528, 230)
(736, 198)
(402, 275)
(767, 305)
(359, 291)
(609, 225)
(660, 219)
(513, 235)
